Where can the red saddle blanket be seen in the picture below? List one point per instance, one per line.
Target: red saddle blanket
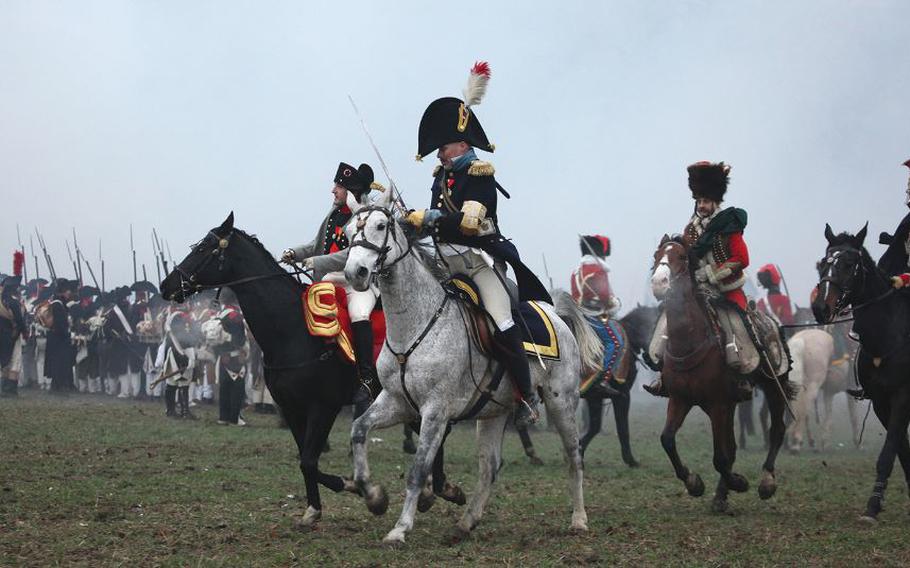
(325, 309)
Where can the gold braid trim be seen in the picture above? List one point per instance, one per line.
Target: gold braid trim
(377, 186)
(481, 168)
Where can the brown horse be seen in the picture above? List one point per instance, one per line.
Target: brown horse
(695, 373)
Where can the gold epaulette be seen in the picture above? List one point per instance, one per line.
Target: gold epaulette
(436, 170)
(481, 168)
(377, 186)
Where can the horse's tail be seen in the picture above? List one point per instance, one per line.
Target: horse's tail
(591, 349)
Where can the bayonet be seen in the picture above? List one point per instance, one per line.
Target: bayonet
(69, 253)
(547, 270)
(133, 249)
(78, 254)
(160, 250)
(31, 246)
(47, 256)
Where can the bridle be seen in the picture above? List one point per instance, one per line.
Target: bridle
(382, 251)
(845, 298)
(188, 278)
(662, 262)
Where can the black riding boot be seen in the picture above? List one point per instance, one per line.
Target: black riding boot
(657, 388)
(183, 396)
(170, 401)
(511, 353)
(363, 351)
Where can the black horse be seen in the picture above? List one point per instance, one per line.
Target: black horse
(881, 315)
(307, 381)
(639, 325)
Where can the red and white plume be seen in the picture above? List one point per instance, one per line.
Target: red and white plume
(18, 262)
(477, 84)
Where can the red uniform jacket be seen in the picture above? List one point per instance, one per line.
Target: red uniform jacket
(591, 283)
(779, 306)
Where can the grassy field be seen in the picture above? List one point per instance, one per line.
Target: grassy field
(87, 480)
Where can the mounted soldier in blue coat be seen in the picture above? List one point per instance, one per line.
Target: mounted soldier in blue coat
(463, 220)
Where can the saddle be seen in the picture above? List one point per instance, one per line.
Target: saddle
(617, 357)
(537, 329)
(325, 310)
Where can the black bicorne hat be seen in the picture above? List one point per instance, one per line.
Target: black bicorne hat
(355, 180)
(709, 180)
(10, 281)
(448, 120)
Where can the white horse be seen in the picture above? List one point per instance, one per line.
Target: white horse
(814, 371)
(434, 377)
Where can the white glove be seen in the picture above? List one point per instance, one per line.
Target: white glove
(308, 263)
(288, 256)
(701, 275)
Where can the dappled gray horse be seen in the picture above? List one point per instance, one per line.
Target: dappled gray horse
(435, 377)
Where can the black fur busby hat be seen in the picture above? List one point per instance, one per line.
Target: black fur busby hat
(450, 119)
(709, 180)
(597, 245)
(356, 180)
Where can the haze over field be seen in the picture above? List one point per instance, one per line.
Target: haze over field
(170, 114)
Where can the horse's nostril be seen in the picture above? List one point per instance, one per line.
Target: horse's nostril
(363, 272)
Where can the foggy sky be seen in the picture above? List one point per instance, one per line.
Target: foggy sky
(171, 114)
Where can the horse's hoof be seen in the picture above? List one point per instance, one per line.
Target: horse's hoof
(457, 535)
(377, 500)
(535, 459)
(394, 538)
(631, 462)
(694, 485)
(768, 486)
(309, 519)
(868, 519)
(453, 494)
(719, 505)
(738, 483)
(579, 522)
(349, 485)
(425, 500)
(409, 447)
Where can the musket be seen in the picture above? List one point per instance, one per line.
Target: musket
(69, 253)
(92, 274)
(160, 250)
(47, 257)
(170, 257)
(31, 246)
(22, 250)
(547, 270)
(786, 289)
(144, 276)
(133, 248)
(101, 261)
(159, 380)
(78, 254)
(396, 195)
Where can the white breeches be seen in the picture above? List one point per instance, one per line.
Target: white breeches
(493, 294)
(14, 367)
(360, 304)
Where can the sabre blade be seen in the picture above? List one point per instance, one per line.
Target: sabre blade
(399, 201)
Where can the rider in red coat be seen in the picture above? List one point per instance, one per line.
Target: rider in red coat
(591, 280)
(778, 304)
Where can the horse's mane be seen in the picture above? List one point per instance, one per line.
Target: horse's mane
(846, 239)
(252, 238)
(424, 250)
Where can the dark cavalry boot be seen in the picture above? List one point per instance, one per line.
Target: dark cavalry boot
(656, 388)
(511, 352)
(363, 351)
(183, 396)
(170, 401)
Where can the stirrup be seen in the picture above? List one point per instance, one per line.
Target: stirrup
(858, 393)
(526, 414)
(656, 388)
